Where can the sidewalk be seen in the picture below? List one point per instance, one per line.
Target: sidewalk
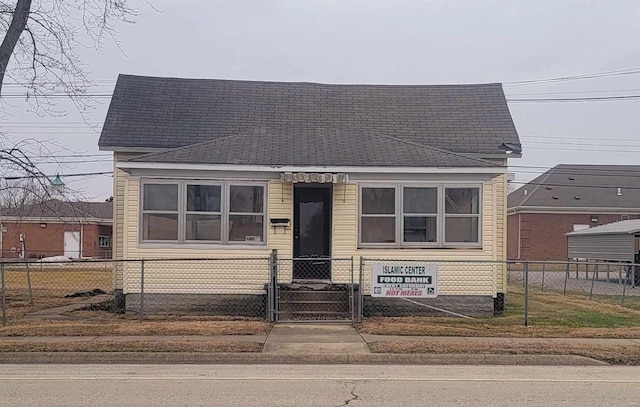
(302, 343)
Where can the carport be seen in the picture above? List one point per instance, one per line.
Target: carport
(616, 241)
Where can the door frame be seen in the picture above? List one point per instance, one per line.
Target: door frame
(328, 228)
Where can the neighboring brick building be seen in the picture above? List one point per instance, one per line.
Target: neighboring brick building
(567, 198)
(55, 228)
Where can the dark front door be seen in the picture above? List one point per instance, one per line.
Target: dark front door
(311, 233)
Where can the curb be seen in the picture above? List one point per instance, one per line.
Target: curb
(265, 358)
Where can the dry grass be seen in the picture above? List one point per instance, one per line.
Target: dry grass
(550, 315)
(135, 328)
(133, 346)
(615, 354)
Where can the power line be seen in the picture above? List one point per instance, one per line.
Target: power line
(574, 92)
(578, 99)
(619, 72)
(83, 174)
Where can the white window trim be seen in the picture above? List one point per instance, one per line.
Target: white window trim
(440, 216)
(182, 213)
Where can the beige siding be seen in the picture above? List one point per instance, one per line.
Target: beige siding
(210, 277)
(245, 274)
(119, 181)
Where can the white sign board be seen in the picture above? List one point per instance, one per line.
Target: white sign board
(404, 279)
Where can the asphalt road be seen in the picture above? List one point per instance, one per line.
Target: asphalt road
(317, 385)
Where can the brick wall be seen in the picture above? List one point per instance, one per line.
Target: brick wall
(542, 234)
(49, 240)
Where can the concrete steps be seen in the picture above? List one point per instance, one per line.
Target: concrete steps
(313, 302)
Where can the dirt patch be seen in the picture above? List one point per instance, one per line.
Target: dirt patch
(614, 354)
(134, 346)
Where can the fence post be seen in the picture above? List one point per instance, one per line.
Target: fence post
(351, 294)
(508, 272)
(26, 264)
(4, 296)
(566, 277)
(361, 291)
(577, 266)
(543, 267)
(593, 280)
(624, 287)
(526, 293)
(141, 290)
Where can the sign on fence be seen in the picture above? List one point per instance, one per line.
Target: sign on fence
(404, 279)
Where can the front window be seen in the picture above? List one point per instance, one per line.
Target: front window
(246, 218)
(419, 216)
(462, 215)
(378, 222)
(191, 212)
(160, 212)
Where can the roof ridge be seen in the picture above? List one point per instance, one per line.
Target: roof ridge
(413, 143)
(310, 82)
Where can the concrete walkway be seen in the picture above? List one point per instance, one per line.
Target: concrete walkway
(314, 338)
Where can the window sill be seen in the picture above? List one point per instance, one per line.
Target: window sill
(448, 247)
(201, 246)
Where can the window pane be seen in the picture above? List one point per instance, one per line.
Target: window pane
(462, 200)
(378, 230)
(245, 199)
(420, 200)
(246, 228)
(160, 197)
(461, 230)
(159, 226)
(420, 229)
(203, 227)
(378, 200)
(203, 198)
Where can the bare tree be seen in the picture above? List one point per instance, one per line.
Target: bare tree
(41, 41)
(39, 52)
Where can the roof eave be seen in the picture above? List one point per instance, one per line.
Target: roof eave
(292, 168)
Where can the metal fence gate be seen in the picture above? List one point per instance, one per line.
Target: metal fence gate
(313, 289)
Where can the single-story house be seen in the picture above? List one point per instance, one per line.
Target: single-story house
(77, 230)
(227, 168)
(568, 198)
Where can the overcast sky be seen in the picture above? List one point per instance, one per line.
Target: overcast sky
(384, 42)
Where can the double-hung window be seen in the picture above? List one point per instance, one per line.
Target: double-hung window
(378, 222)
(202, 212)
(160, 212)
(462, 215)
(419, 216)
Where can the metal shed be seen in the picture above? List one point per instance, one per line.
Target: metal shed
(613, 242)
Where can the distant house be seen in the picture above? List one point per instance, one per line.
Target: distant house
(568, 198)
(216, 168)
(57, 228)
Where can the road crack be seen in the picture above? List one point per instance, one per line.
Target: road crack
(353, 386)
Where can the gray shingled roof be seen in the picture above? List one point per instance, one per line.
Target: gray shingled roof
(625, 227)
(314, 148)
(151, 112)
(55, 208)
(581, 186)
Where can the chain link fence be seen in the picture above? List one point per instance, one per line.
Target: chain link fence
(309, 289)
(315, 289)
(37, 286)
